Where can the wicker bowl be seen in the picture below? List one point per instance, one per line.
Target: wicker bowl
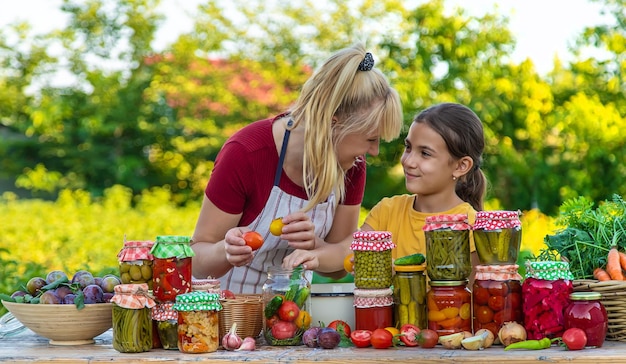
(613, 298)
(246, 311)
(64, 324)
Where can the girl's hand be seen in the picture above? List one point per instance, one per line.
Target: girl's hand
(299, 231)
(307, 258)
(237, 252)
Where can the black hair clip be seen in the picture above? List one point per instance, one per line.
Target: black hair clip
(367, 63)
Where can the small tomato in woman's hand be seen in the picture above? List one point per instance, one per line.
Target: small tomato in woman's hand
(253, 239)
(276, 226)
(574, 338)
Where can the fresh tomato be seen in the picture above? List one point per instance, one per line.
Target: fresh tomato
(283, 330)
(381, 339)
(409, 334)
(361, 338)
(253, 239)
(271, 321)
(428, 338)
(340, 325)
(574, 338)
(288, 311)
(228, 294)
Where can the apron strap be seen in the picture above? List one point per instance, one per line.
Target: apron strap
(283, 150)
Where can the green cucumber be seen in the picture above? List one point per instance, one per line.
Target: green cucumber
(413, 259)
(272, 306)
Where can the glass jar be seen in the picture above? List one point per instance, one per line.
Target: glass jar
(210, 285)
(132, 319)
(135, 262)
(447, 247)
(449, 307)
(409, 295)
(198, 322)
(372, 259)
(545, 296)
(172, 267)
(288, 291)
(166, 319)
(587, 312)
(373, 308)
(497, 236)
(496, 297)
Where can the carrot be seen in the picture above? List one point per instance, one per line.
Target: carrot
(613, 266)
(622, 259)
(601, 275)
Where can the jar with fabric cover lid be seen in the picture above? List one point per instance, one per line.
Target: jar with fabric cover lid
(372, 259)
(132, 319)
(198, 322)
(447, 247)
(172, 267)
(497, 236)
(409, 295)
(166, 319)
(587, 312)
(373, 308)
(135, 262)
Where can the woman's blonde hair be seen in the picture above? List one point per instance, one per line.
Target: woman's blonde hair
(361, 101)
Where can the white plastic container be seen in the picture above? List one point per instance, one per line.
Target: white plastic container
(332, 301)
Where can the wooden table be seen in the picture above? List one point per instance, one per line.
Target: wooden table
(28, 347)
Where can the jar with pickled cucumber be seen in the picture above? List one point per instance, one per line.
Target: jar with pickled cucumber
(497, 236)
(171, 273)
(198, 322)
(449, 307)
(448, 247)
(373, 308)
(372, 259)
(409, 295)
(166, 319)
(135, 262)
(132, 318)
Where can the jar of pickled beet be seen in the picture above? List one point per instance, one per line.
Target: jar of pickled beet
(449, 307)
(132, 319)
(373, 308)
(545, 296)
(372, 259)
(171, 272)
(409, 295)
(198, 322)
(166, 319)
(587, 312)
(497, 236)
(448, 247)
(135, 262)
(497, 297)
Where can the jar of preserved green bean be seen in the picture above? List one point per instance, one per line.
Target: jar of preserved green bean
(167, 325)
(135, 262)
(497, 236)
(448, 247)
(409, 295)
(372, 259)
(198, 322)
(132, 318)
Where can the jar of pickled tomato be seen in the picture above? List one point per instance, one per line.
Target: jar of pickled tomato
(373, 308)
(198, 322)
(448, 247)
(545, 296)
(587, 312)
(172, 267)
(449, 307)
(135, 262)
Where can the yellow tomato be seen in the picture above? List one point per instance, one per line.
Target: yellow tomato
(450, 312)
(276, 226)
(303, 321)
(465, 311)
(348, 263)
(394, 331)
(436, 316)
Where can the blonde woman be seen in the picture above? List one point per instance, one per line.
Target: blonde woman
(306, 166)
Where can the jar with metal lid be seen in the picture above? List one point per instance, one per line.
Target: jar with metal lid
(198, 322)
(409, 295)
(497, 236)
(288, 292)
(497, 297)
(447, 247)
(449, 307)
(172, 267)
(166, 319)
(135, 262)
(545, 296)
(587, 312)
(372, 259)
(373, 308)
(132, 319)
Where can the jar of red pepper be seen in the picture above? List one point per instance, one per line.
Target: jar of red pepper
(587, 312)
(545, 296)
(449, 307)
(172, 267)
(373, 308)
(497, 297)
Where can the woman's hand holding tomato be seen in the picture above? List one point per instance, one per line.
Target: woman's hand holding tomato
(238, 253)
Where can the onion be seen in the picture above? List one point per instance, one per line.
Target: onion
(511, 332)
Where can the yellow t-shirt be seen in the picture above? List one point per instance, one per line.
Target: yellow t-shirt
(396, 215)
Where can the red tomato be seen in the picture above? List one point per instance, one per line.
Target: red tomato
(228, 294)
(481, 296)
(339, 323)
(271, 321)
(498, 288)
(381, 339)
(288, 311)
(361, 338)
(428, 338)
(496, 303)
(283, 330)
(409, 334)
(253, 239)
(483, 314)
(574, 338)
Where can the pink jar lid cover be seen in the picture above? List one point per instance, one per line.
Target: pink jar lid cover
(449, 221)
(164, 312)
(494, 220)
(135, 250)
(506, 272)
(372, 241)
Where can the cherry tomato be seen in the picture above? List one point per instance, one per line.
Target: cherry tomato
(483, 314)
(339, 323)
(574, 338)
(481, 296)
(381, 339)
(498, 288)
(253, 239)
(496, 303)
(409, 334)
(361, 338)
(428, 338)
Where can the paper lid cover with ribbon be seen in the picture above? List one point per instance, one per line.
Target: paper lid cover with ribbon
(548, 270)
(494, 220)
(172, 246)
(135, 250)
(198, 301)
(447, 222)
(372, 241)
(133, 296)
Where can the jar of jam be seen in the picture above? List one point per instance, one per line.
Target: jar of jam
(172, 267)
(587, 312)
(448, 247)
(497, 297)
(449, 307)
(135, 262)
(409, 295)
(166, 319)
(289, 290)
(372, 259)
(198, 322)
(132, 319)
(497, 236)
(545, 296)
(373, 308)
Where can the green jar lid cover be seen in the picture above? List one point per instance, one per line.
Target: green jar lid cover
(585, 296)
(197, 301)
(172, 246)
(548, 270)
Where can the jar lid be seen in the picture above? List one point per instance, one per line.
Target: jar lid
(164, 312)
(548, 270)
(367, 298)
(585, 296)
(505, 272)
(372, 241)
(446, 221)
(133, 296)
(210, 285)
(373, 292)
(172, 246)
(448, 283)
(173, 239)
(410, 268)
(198, 301)
(135, 250)
(494, 220)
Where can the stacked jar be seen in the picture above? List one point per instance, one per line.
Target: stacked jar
(448, 266)
(409, 295)
(373, 296)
